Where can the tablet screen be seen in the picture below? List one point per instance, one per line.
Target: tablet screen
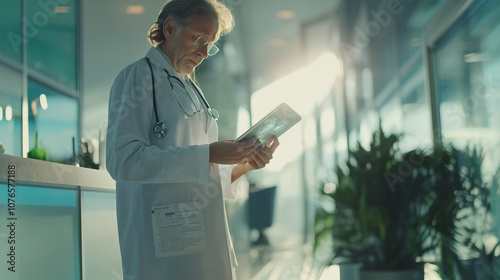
(277, 122)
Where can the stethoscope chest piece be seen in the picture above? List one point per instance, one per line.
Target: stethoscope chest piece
(212, 112)
(160, 130)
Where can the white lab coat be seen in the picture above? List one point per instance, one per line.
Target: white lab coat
(156, 172)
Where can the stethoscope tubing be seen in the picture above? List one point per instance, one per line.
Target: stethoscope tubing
(160, 129)
(154, 92)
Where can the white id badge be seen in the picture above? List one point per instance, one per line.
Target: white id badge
(178, 229)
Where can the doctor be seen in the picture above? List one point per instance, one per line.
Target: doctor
(171, 172)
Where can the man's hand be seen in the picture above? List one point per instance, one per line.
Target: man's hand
(230, 152)
(257, 159)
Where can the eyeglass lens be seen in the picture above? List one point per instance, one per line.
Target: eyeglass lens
(201, 41)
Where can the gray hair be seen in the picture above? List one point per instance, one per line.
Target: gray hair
(183, 11)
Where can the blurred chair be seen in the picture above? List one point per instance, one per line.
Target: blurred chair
(261, 211)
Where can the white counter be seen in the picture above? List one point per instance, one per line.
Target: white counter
(39, 173)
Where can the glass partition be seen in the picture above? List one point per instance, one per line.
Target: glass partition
(10, 30)
(467, 63)
(54, 116)
(47, 32)
(409, 31)
(468, 88)
(51, 39)
(10, 110)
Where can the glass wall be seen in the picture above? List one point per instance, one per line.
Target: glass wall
(56, 134)
(10, 110)
(10, 30)
(40, 43)
(51, 39)
(467, 63)
(10, 78)
(415, 101)
(468, 84)
(398, 69)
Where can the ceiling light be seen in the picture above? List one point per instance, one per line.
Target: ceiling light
(62, 10)
(135, 9)
(286, 14)
(1, 113)
(474, 57)
(276, 42)
(416, 42)
(43, 101)
(8, 113)
(34, 107)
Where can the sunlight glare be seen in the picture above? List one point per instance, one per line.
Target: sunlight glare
(302, 90)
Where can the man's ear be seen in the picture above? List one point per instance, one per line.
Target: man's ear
(168, 28)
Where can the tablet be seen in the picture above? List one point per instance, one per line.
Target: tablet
(277, 122)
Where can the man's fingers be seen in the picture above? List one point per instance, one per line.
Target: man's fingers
(258, 163)
(261, 157)
(251, 142)
(265, 153)
(274, 144)
(249, 146)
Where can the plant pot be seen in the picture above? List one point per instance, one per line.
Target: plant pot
(473, 269)
(412, 274)
(349, 271)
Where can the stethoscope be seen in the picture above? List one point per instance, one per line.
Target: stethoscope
(160, 129)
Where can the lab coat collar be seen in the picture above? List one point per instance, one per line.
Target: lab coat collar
(161, 60)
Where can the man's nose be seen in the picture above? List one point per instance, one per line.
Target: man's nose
(203, 51)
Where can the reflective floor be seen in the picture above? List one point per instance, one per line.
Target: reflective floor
(275, 263)
(296, 263)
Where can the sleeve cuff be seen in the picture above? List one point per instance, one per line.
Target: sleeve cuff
(229, 190)
(204, 167)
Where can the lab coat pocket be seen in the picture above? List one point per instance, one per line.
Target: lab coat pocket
(178, 229)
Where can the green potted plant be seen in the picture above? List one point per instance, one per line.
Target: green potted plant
(477, 247)
(393, 208)
(323, 241)
(36, 152)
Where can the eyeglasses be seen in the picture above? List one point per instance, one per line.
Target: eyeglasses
(202, 41)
